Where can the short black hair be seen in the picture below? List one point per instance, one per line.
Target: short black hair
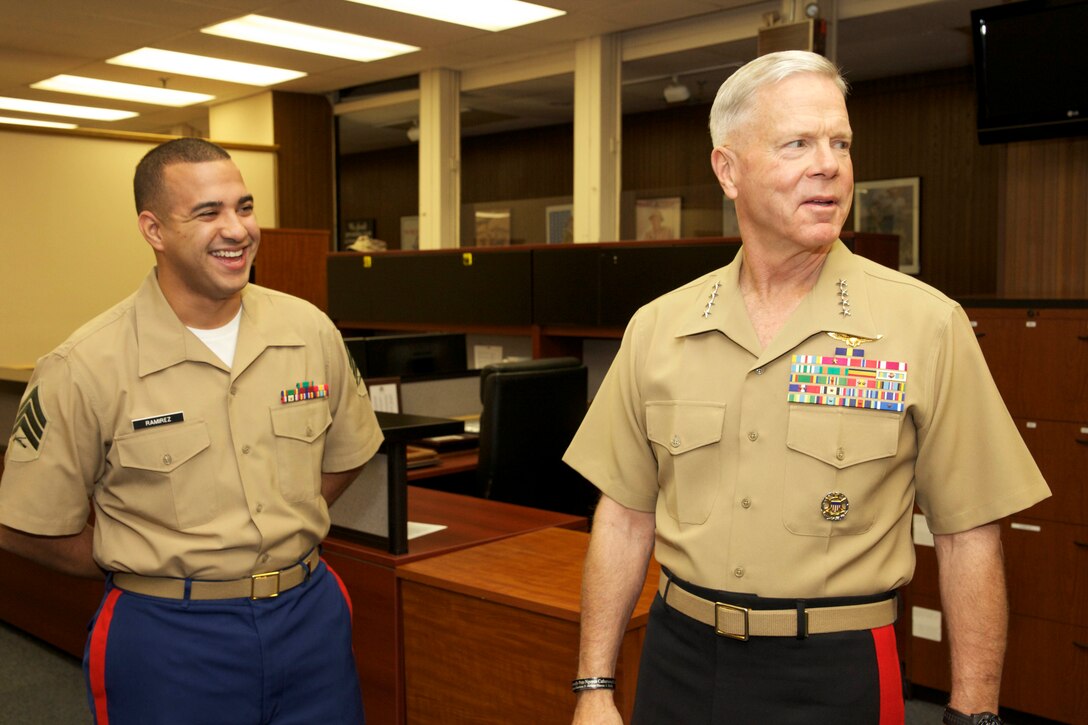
(147, 184)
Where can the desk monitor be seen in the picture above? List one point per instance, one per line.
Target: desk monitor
(406, 356)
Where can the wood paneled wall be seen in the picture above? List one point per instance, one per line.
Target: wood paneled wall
(304, 178)
(1025, 201)
(380, 185)
(1044, 219)
(924, 126)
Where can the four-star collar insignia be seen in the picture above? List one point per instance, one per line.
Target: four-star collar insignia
(710, 301)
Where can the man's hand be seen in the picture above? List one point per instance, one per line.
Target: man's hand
(596, 707)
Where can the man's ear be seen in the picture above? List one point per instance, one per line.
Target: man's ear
(724, 162)
(151, 228)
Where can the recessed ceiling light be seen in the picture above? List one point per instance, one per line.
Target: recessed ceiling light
(35, 122)
(483, 14)
(64, 109)
(202, 66)
(120, 91)
(308, 38)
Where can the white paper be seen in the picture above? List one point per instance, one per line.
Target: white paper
(925, 623)
(486, 355)
(922, 535)
(384, 398)
(416, 529)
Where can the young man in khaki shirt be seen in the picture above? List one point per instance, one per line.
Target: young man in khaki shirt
(210, 423)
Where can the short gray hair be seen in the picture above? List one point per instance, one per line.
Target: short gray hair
(735, 95)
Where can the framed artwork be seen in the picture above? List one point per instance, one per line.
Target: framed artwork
(409, 232)
(560, 223)
(384, 394)
(657, 218)
(891, 206)
(493, 228)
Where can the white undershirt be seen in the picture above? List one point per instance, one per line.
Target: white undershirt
(222, 340)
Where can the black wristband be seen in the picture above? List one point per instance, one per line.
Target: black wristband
(593, 683)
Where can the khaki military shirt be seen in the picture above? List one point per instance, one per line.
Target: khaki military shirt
(761, 489)
(194, 469)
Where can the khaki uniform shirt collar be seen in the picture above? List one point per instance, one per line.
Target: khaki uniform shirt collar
(820, 311)
(163, 340)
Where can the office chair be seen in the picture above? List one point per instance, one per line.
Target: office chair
(531, 410)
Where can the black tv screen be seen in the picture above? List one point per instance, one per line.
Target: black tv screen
(1031, 70)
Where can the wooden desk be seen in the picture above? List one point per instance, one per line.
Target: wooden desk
(56, 608)
(371, 578)
(491, 632)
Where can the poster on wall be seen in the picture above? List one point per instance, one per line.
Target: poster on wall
(560, 223)
(657, 218)
(409, 232)
(493, 228)
(890, 206)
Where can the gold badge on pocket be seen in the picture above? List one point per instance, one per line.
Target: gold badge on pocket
(834, 506)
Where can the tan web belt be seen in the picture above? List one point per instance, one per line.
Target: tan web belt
(741, 623)
(258, 586)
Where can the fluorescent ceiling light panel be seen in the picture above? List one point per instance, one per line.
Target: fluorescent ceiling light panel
(63, 109)
(34, 122)
(201, 66)
(483, 14)
(308, 38)
(120, 91)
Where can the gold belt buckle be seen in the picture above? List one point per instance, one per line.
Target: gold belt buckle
(262, 577)
(718, 607)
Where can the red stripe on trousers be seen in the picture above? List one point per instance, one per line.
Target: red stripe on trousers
(891, 683)
(97, 657)
(343, 589)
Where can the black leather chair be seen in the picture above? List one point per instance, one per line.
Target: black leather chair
(531, 410)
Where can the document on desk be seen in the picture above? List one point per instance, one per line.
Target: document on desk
(416, 529)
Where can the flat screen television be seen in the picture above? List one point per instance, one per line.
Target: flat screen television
(406, 356)
(1031, 69)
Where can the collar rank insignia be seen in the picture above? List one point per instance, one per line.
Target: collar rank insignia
(304, 391)
(848, 379)
(710, 301)
(844, 299)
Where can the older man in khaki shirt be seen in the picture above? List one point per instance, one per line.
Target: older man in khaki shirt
(770, 426)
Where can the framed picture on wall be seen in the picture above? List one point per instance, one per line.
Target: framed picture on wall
(493, 228)
(657, 218)
(409, 232)
(560, 223)
(891, 206)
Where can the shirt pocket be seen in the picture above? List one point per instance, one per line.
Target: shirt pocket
(836, 450)
(686, 438)
(299, 430)
(169, 455)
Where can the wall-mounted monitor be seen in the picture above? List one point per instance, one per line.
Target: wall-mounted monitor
(408, 356)
(1030, 70)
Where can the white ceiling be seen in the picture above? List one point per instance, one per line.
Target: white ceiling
(42, 38)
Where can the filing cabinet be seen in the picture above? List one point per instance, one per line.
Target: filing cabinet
(1038, 355)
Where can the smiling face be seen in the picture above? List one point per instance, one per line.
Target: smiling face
(788, 166)
(205, 236)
